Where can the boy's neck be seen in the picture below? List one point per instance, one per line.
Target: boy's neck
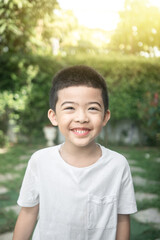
(80, 156)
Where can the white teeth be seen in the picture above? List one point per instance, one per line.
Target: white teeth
(80, 131)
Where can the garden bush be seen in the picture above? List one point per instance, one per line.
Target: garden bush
(133, 83)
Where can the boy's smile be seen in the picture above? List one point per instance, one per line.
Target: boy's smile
(80, 131)
(79, 115)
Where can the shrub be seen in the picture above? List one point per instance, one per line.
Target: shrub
(27, 80)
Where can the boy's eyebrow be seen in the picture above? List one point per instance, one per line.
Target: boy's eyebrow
(67, 102)
(70, 102)
(95, 103)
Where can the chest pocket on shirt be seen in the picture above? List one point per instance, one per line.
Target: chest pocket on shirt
(101, 212)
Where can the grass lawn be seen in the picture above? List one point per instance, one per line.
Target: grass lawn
(17, 155)
(20, 154)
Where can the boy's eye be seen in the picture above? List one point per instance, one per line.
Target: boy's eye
(93, 109)
(69, 108)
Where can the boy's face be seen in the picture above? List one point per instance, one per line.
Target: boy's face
(79, 114)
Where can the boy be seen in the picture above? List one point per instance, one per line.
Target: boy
(81, 190)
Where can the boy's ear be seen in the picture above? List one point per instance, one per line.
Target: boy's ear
(106, 117)
(52, 117)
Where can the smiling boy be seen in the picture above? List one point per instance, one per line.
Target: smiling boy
(81, 190)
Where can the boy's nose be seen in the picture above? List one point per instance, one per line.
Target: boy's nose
(81, 117)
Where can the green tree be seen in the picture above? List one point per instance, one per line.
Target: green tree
(138, 29)
(22, 21)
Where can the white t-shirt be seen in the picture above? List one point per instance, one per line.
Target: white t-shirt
(77, 203)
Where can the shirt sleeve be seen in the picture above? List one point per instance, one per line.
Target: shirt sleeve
(29, 194)
(126, 201)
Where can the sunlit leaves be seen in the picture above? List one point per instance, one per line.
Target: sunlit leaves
(19, 19)
(138, 29)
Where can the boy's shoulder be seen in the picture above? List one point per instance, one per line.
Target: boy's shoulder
(45, 152)
(114, 156)
(111, 152)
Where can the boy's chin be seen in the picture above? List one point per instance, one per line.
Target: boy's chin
(82, 144)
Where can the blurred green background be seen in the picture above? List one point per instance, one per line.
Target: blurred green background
(38, 38)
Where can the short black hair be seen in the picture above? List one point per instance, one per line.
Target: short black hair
(80, 75)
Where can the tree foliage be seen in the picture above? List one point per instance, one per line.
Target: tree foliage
(138, 29)
(21, 21)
